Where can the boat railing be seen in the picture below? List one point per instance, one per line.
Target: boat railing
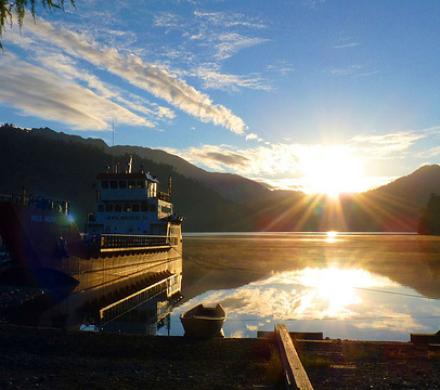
(36, 201)
(128, 241)
(164, 196)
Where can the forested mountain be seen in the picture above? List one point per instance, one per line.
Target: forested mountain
(64, 166)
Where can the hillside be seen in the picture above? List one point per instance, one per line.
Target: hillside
(64, 166)
(415, 188)
(233, 187)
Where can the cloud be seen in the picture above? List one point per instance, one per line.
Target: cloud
(303, 167)
(259, 161)
(39, 92)
(154, 79)
(252, 136)
(212, 78)
(231, 159)
(429, 153)
(390, 145)
(312, 4)
(168, 20)
(346, 45)
(229, 44)
(230, 19)
(353, 71)
(281, 67)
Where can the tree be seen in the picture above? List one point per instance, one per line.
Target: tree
(18, 8)
(430, 219)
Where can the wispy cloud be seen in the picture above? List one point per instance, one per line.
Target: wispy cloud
(230, 19)
(212, 78)
(389, 145)
(44, 94)
(355, 70)
(429, 153)
(152, 78)
(346, 45)
(231, 43)
(312, 4)
(289, 165)
(168, 20)
(281, 67)
(68, 68)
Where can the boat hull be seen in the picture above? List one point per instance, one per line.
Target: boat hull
(43, 242)
(203, 322)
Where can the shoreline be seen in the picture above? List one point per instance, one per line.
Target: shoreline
(317, 233)
(52, 358)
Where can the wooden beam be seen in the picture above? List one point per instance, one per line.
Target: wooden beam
(295, 335)
(296, 376)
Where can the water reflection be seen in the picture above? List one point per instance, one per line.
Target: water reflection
(331, 236)
(342, 302)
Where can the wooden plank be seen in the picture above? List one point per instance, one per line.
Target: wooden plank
(294, 335)
(296, 376)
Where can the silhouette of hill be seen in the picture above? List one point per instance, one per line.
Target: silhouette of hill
(416, 188)
(65, 166)
(230, 186)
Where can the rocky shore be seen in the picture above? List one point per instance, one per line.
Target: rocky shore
(55, 359)
(348, 364)
(50, 358)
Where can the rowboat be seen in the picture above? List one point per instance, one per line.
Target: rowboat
(203, 320)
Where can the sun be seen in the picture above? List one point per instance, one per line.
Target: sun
(332, 170)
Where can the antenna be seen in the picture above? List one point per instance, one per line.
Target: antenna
(130, 164)
(113, 131)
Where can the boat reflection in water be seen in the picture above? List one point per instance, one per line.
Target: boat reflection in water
(141, 307)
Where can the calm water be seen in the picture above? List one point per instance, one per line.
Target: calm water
(377, 287)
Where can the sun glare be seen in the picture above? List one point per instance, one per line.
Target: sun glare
(332, 170)
(331, 236)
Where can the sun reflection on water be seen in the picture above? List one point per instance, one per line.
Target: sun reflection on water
(352, 297)
(331, 236)
(309, 293)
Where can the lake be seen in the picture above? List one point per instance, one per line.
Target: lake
(358, 286)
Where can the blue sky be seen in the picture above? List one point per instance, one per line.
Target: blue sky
(297, 94)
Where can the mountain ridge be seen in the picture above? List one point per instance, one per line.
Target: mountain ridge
(63, 165)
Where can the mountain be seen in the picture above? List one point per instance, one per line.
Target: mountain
(416, 188)
(65, 166)
(62, 166)
(233, 187)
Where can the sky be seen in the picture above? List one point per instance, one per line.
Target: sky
(316, 95)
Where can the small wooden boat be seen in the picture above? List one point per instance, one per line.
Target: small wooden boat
(203, 321)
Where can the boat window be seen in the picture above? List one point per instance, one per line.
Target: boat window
(144, 206)
(166, 209)
(140, 184)
(135, 208)
(114, 184)
(122, 184)
(109, 207)
(131, 184)
(101, 208)
(118, 208)
(104, 184)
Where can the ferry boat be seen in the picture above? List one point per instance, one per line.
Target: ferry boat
(132, 241)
